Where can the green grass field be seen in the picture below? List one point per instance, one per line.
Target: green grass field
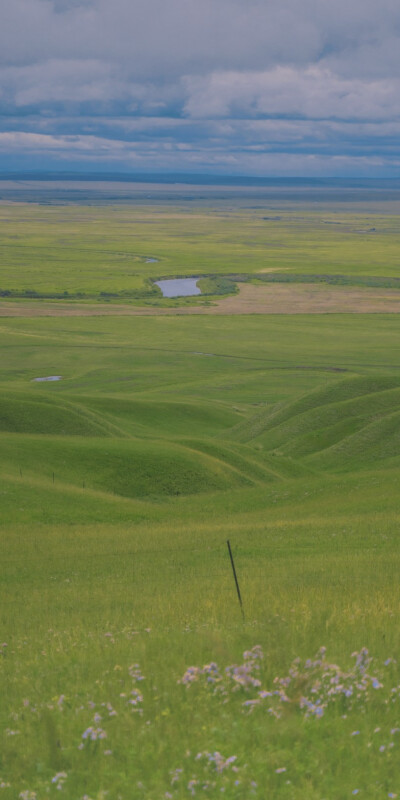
(70, 251)
(126, 668)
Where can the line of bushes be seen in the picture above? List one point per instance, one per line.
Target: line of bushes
(333, 280)
(149, 291)
(217, 285)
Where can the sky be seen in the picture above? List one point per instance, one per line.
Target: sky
(231, 87)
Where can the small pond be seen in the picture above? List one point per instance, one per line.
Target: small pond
(179, 287)
(48, 378)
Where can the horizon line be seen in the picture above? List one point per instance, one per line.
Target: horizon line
(186, 177)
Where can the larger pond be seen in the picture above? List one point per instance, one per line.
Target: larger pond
(179, 287)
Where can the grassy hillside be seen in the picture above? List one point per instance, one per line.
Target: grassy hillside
(350, 425)
(119, 486)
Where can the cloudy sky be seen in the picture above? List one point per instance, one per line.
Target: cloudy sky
(250, 87)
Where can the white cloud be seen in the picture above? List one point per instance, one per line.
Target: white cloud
(199, 79)
(313, 92)
(36, 142)
(157, 38)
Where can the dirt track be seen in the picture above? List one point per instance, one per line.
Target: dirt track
(270, 299)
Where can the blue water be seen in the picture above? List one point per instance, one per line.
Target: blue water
(179, 287)
(48, 378)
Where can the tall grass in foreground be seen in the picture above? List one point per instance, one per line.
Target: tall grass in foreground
(124, 676)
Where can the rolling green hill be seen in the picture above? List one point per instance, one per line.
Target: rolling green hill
(30, 413)
(141, 447)
(344, 426)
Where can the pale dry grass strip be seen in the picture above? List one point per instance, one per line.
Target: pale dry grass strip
(251, 299)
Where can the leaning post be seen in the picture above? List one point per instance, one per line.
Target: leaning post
(235, 577)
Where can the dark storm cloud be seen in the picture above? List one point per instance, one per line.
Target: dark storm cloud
(232, 85)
